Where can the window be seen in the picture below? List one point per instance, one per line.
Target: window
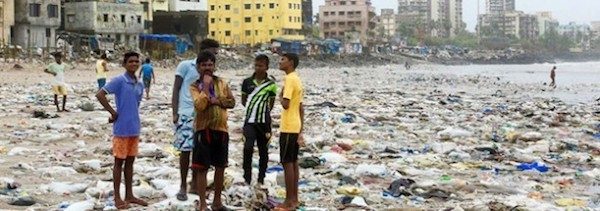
(342, 13)
(272, 6)
(227, 7)
(48, 32)
(34, 10)
(247, 6)
(105, 18)
(290, 5)
(52, 11)
(257, 6)
(260, 19)
(212, 33)
(122, 18)
(146, 6)
(326, 13)
(71, 18)
(248, 33)
(353, 2)
(271, 32)
(227, 33)
(290, 18)
(227, 20)
(247, 19)
(212, 7)
(139, 19)
(256, 32)
(212, 20)
(342, 2)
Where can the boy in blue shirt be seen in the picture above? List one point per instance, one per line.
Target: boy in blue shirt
(128, 91)
(148, 76)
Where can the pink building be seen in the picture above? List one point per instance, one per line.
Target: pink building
(349, 20)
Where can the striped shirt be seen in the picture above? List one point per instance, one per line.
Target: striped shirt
(259, 95)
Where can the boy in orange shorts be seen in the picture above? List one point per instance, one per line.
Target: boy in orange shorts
(128, 91)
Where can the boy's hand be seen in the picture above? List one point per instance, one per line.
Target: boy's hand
(215, 101)
(113, 117)
(207, 80)
(301, 142)
(175, 118)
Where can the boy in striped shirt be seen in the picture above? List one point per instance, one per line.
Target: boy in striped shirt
(258, 96)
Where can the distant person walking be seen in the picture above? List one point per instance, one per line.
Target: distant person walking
(101, 70)
(407, 65)
(59, 87)
(147, 75)
(553, 77)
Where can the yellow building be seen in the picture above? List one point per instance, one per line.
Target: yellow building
(7, 20)
(160, 5)
(233, 22)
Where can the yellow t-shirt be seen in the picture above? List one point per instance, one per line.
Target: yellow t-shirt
(100, 71)
(292, 90)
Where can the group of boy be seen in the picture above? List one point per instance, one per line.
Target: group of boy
(200, 102)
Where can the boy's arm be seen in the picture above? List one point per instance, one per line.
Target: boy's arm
(49, 72)
(229, 101)
(104, 64)
(300, 136)
(244, 94)
(175, 98)
(101, 96)
(201, 101)
(153, 77)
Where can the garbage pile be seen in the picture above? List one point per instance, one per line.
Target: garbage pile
(377, 138)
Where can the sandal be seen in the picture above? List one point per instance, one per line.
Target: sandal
(182, 196)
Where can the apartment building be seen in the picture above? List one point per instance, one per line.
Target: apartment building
(342, 18)
(254, 21)
(514, 24)
(499, 6)
(438, 18)
(187, 5)
(7, 20)
(388, 22)
(546, 22)
(36, 22)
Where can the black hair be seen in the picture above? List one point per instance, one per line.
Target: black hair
(147, 60)
(262, 57)
(293, 57)
(103, 56)
(57, 55)
(208, 43)
(204, 56)
(128, 55)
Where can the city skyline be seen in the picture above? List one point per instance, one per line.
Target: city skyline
(563, 11)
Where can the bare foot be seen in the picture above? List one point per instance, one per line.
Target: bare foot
(121, 205)
(65, 110)
(137, 201)
(199, 206)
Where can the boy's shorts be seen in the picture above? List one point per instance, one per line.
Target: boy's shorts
(288, 147)
(184, 134)
(146, 82)
(59, 90)
(211, 148)
(124, 147)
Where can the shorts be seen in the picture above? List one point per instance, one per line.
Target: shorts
(101, 83)
(211, 148)
(59, 90)
(288, 147)
(124, 147)
(184, 134)
(147, 82)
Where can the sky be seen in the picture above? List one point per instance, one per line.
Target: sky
(565, 11)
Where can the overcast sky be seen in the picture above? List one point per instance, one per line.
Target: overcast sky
(580, 11)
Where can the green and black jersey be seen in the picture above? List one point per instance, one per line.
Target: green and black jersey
(259, 95)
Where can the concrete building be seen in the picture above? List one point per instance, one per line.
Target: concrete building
(120, 21)
(148, 15)
(7, 20)
(499, 6)
(160, 5)
(388, 22)
(307, 17)
(36, 22)
(192, 23)
(187, 5)
(338, 18)
(546, 22)
(512, 24)
(437, 18)
(234, 22)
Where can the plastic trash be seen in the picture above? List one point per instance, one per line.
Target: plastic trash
(371, 170)
(533, 166)
(570, 202)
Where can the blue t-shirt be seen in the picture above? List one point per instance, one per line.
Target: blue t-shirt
(128, 95)
(187, 71)
(147, 71)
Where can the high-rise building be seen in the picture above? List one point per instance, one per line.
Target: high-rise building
(148, 13)
(388, 22)
(160, 5)
(546, 22)
(254, 21)
(512, 24)
(499, 6)
(187, 5)
(36, 23)
(7, 20)
(307, 16)
(438, 18)
(347, 18)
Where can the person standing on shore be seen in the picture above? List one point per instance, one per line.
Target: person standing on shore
(101, 70)
(292, 123)
(59, 87)
(128, 91)
(147, 73)
(183, 118)
(258, 96)
(553, 77)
